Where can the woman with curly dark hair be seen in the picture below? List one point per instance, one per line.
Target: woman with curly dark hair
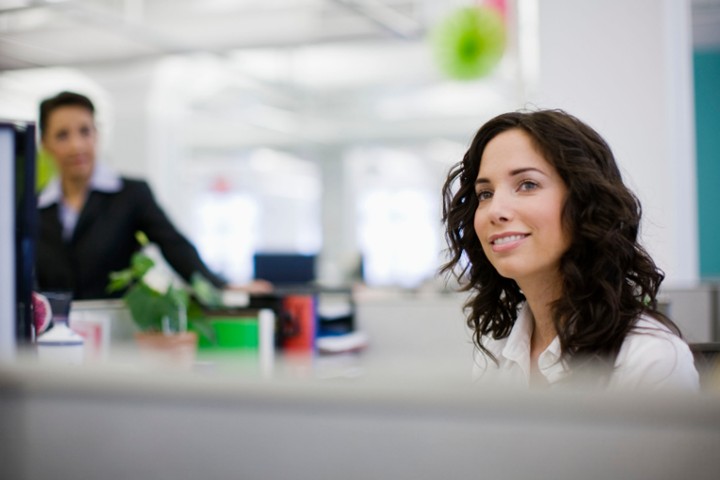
(543, 232)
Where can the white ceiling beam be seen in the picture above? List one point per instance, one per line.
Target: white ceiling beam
(387, 18)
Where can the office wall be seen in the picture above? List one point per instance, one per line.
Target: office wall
(625, 67)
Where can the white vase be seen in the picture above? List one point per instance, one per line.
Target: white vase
(60, 345)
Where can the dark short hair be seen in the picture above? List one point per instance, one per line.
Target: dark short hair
(62, 99)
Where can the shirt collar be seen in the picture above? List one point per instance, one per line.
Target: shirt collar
(517, 349)
(51, 194)
(549, 363)
(103, 179)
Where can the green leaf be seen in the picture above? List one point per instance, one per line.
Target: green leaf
(120, 280)
(151, 310)
(140, 264)
(206, 293)
(146, 307)
(203, 327)
(142, 238)
(149, 307)
(195, 310)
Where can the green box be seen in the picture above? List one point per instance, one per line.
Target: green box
(231, 333)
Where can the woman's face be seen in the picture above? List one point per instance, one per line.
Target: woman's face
(71, 139)
(519, 215)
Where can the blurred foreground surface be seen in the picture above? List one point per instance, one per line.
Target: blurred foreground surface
(337, 417)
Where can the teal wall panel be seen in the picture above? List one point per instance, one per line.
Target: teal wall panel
(707, 122)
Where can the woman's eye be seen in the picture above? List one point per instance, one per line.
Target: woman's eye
(484, 195)
(527, 185)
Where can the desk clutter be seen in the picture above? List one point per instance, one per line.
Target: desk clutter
(303, 323)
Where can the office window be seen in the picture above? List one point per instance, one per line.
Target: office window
(261, 200)
(397, 237)
(227, 220)
(397, 191)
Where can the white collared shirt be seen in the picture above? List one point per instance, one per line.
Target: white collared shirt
(651, 357)
(103, 179)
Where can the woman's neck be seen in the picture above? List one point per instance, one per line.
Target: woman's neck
(540, 297)
(74, 192)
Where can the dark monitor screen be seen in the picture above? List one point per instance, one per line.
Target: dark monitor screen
(285, 269)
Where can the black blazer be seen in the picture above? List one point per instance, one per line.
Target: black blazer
(104, 240)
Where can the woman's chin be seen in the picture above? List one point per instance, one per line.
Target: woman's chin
(79, 173)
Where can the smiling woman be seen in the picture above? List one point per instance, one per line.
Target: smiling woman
(561, 290)
(518, 219)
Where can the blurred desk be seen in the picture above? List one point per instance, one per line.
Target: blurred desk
(405, 408)
(105, 325)
(412, 325)
(118, 424)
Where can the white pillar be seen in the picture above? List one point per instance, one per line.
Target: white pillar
(625, 67)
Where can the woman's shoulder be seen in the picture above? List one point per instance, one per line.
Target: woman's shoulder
(136, 189)
(653, 356)
(647, 324)
(649, 333)
(134, 183)
(488, 364)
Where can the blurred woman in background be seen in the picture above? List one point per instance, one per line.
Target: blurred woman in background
(89, 215)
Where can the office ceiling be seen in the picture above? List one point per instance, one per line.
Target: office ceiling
(40, 33)
(378, 69)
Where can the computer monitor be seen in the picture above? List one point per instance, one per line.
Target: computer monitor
(18, 225)
(285, 269)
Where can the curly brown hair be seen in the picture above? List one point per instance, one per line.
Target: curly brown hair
(608, 279)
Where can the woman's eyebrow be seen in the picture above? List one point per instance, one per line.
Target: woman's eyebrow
(517, 171)
(526, 169)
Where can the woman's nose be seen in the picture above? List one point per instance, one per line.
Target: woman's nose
(77, 142)
(500, 209)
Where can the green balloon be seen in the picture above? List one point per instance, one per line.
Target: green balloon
(469, 43)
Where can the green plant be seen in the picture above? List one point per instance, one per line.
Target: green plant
(168, 311)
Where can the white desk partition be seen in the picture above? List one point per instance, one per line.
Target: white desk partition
(115, 425)
(695, 311)
(409, 326)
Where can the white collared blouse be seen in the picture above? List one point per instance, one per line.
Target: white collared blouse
(651, 357)
(103, 179)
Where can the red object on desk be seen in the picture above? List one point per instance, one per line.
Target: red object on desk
(302, 309)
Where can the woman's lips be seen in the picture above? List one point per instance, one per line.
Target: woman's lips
(504, 242)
